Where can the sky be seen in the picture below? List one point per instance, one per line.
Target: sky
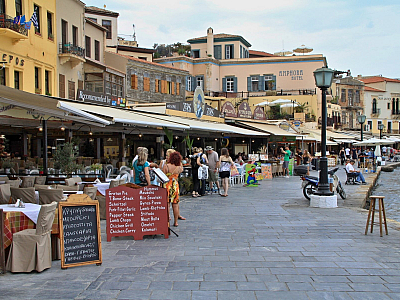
(360, 35)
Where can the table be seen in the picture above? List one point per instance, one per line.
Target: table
(101, 187)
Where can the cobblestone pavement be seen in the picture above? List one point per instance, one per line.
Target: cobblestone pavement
(259, 243)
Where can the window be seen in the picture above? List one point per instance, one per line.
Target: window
(47, 83)
(71, 90)
(229, 52)
(18, 7)
(61, 85)
(230, 84)
(169, 87)
(64, 33)
(50, 25)
(80, 84)
(3, 76)
(350, 97)
(241, 51)
(357, 96)
(254, 83)
(94, 82)
(146, 82)
(369, 125)
(397, 106)
(87, 46)
(108, 88)
(200, 82)
(38, 90)
(217, 52)
(196, 53)
(74, 36)
(388, 105)
(16, 80)
(37, 10)
(189, 83)
(142, 58)
(269, 82)
(374, 108)
(389, 127)
(2, 6)
(393, 106)
(107, 24)
(114, 85)
(97, 50)
(343, 95)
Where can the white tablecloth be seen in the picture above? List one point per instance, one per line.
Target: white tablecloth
(31, 210)
(101, 187)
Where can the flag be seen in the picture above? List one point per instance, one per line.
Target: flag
(16, 19)
(22, 20)
(28, 25)
(34, 20)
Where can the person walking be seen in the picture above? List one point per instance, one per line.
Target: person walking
(347, 151)
(342, 156)
(202, 161)
(213, 165)
(195, 169)
(286, 160)
(307, 160)
(172, 169)
(225, 163)
(141, 165)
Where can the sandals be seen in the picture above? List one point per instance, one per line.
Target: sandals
(194, 195)
(181, 218)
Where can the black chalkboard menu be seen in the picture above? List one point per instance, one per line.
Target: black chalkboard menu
(79, 233)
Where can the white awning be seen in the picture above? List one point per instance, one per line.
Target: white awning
(271, 129)
(347, 141)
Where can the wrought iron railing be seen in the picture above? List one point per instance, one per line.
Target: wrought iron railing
(71, 49)
(7, 21)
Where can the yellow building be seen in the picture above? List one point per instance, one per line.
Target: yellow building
(28, 56)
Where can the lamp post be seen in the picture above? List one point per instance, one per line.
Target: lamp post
(361, 120)
(380, 128)
(323, 80)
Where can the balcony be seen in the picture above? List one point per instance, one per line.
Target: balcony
(70, 53)
(375, 113)
(16, 32)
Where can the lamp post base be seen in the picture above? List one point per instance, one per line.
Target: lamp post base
(323, 201)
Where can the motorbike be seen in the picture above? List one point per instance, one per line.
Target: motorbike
(310, 184)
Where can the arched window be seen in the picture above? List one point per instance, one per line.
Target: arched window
(393, 106)
(374, 109)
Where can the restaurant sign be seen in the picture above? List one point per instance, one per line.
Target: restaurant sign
(229, 110)
(244, 111)
(259, 113)
(188, 107)
(98, 98)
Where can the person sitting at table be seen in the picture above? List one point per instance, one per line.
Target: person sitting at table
(172, 169)
(350, 169)
(239, 160)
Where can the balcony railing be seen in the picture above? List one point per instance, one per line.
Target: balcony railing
(71, 49)
(7, 22)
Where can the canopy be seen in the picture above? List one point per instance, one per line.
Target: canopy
(374, 142)
(263, 103)
(279, 101)
(271, 129)
(289, 105)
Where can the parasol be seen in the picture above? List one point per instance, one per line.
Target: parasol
(378, 151)
(279, 101)
(303, 49)
(289, 105)
(374, 142)
(263, 103)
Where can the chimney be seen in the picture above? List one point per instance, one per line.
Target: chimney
(210, 42)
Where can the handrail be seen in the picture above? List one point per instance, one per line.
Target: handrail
(71, 49)
(7, 22)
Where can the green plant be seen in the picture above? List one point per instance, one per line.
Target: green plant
(65, 158)
(29, 164)
(7, 163)
(189, 143)
(170, 137)
(97, 167)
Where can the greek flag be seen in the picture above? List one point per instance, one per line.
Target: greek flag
(34, 20)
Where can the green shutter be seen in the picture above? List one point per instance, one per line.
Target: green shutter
(235, 84)
(232, 51)
(217, 52)
(194, 83)
(226, 47)
(224, 84)
(274, 83)
(249, 84)
(261, 86)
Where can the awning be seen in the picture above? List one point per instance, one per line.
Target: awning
(271, 129)
(118, 115)
(347, 141)
(305, 138)
(45, 105)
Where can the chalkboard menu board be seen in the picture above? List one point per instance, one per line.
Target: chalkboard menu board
(136, 212)
(79, 233)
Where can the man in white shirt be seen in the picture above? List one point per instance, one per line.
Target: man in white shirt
(347, 150)
(350, 169)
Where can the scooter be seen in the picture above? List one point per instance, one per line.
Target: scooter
(310, 184)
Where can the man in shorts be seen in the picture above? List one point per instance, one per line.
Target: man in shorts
(286, 159)
(213, 164)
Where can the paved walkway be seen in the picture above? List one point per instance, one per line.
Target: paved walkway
(259, 243)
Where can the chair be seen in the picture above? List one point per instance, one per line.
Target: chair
(351, 177)
(40, 179)
(274, 169)
(14, 183)
(381, 210)
(102, 206)
(31, 248)
(41, 187)
(108, 169)
(114, 183)
(34, 172)
(27, 181)
(70, 182)
(279, 170)
(124, 168)
(91, 191)
(47, 196)
(5, 193)
(126, 176)
(67, 188)
(27, 195)
(123, 180)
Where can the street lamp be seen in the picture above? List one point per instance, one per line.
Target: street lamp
(361, 120)
(380, 128)
(323, 80)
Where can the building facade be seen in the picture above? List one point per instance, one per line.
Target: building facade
(28, 56)
(106, 18)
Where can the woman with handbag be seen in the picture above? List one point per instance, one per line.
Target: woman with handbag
(202, 161)
(195, 172)
(141, 168)
(172, 169)
(225, 163)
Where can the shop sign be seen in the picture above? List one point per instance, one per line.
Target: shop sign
(98, 98)
(188, 107)
(282, 139)
(198, 102)
(297, 123)
(259, 113)
(293, 74)
(284, 126)
(229, 110)
(11, 59)
(244, 111)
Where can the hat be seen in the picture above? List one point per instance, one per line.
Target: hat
(208, 148)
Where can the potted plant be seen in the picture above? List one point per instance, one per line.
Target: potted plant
(7, 165)
(96, 168)
(65, 158)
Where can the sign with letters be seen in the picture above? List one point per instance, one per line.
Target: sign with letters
(244, 110)
(98, 98)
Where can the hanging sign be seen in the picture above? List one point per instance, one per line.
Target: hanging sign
(259, 113)
(244, 110)
(199, 102)
(228, 110)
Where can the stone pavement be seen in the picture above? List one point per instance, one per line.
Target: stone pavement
(259, 243)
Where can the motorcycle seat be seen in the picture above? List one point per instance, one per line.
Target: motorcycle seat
(312, 177)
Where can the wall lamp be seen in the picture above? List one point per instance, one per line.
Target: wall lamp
(90, 128)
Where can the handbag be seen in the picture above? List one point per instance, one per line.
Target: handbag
(234, 171)
(142, 176)
(202, 173)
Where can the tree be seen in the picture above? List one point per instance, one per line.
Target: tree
(65, 158)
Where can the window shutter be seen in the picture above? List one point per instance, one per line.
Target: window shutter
(156, 85)
(232, 52)
(274, 83)
(261, 86)
(134, 82)
(235, 84)
(62, 86)
(173, 88)
(249, 84)
(224, 84)
(187, 83)
(226, 47)
(177, 88)
(194, 83)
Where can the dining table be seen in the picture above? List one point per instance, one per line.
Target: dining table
(101, 186)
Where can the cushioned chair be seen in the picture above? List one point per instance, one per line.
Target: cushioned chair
(67, 188)
(47, 196)
(41, 187)
(31, 248)
(114, 183)
(5, 193)
(102, 206)
(70, 182)
(27, 181)
(25, 194)
(91, 191)
(14, 183)
(40, 179)
(4, 178)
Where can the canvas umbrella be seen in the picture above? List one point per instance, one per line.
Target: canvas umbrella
(374, 142)
(263, 103)
(289, 105)
(377, 151)
(283, 53)
(303, 49)
(279, 101)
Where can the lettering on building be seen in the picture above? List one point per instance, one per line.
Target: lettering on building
(13, 60)
(294, 74)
